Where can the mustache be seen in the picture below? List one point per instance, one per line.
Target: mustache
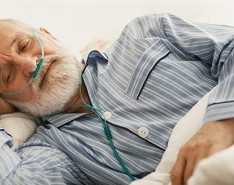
(47, 60)
(63, 58)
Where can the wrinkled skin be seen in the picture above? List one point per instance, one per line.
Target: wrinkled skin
(5, 107)
(210, 139)
(55, 86)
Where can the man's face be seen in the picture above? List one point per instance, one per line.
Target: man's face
(53, 87)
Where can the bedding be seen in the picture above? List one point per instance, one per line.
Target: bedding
(215, 170)
(20, 126)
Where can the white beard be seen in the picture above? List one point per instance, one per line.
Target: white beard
(62, 82)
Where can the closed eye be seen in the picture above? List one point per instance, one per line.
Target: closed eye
(9, 76)
(24, 45)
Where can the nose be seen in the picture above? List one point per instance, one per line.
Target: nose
(27, 64)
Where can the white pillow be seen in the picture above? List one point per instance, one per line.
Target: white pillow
(20, 126)
(183, 131)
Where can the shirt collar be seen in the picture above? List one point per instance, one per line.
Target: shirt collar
(59, 120)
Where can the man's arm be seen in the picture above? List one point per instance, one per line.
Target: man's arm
(208, 43)
(213, 45)
(211, 138)
(218, 132)
(37, 163)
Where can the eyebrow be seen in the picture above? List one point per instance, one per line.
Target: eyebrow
(14, 40)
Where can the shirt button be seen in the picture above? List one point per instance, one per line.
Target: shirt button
(143, 132)
(107, 115)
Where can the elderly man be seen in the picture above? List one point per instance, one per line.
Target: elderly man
(108, 118)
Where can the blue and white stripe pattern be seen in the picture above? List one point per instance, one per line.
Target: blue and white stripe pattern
(151, 76)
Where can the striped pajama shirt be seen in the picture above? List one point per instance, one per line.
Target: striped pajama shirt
(150, 77)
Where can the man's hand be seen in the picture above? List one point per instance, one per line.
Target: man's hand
(5, 107)
(211, 138)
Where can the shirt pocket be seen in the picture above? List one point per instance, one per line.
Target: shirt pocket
(149, 59)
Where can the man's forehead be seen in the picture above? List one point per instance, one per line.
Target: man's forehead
(12, 26)
(10, 30)
(13, 22)
(7, 35)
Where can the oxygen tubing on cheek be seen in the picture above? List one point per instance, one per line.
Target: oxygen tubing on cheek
(35, 73)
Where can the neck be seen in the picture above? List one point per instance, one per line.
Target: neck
(76, 104)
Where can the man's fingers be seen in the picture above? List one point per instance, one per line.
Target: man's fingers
(194, 159)
(207, 141)
(190, 164)
(177, 172)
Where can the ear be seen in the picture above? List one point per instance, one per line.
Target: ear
(47, 33)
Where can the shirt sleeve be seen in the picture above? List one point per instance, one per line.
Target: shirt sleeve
(211, 44)
(35, 164)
